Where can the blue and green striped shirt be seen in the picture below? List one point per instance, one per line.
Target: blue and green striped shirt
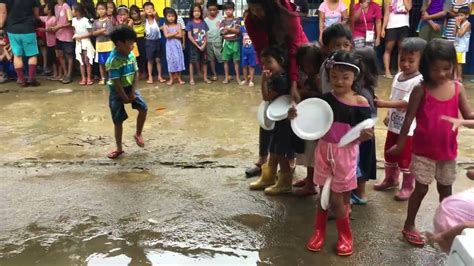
(121, 67)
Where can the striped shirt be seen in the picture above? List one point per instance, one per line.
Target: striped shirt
(121, 67)
(451, 25)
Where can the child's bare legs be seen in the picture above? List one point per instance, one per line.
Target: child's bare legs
(414, 205)
(459, 73)
(360, 191)
(204, 72)
(191, 74)
(226, 72)
(62, 62)
(444, 191)
(70, 62)
(141, 118)
(338, 204)
(118, 130)
(399, 47)
(245, 73)
(158, 68)
(386, 57)
(213, 69)
(44, 54)
(86, 69)
(150, 71)
(178, 76)
(83, 73)
(252, 75)
(103, 73)
(237, 71)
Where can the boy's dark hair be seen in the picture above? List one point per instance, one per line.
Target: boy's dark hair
(346, 57)
(167, 11)
(123, 34)
(212, 3)
(276, 53)
(148, 4)
(134, 8)
(413, 45)
(336, 31)
(103, 4)
(228, 5)
(464, 10)
(191, 11)
(437, 49)
(369, 76)
(312, 52)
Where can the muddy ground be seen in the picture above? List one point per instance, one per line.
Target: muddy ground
(183, 198)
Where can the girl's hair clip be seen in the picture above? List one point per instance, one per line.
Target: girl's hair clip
(330, 63)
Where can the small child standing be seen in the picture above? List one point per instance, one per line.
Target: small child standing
(123, 81)
(101, 29)
(230, 30)
(84, 49)
(174, 49)
(402, 87)
(214, 38)
(249, 56)
(49, 22)
(152, 42)
(64, 44)
(331, 12)
(344, 71)
(112, 12)
(197, 34)
(5, 56)
(434, 141)
(463, 35)
(310, 58)
(139, 28)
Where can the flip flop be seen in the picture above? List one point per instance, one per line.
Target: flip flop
(253, 171)
(208, 81)
(306, 191)
(192, 83)
(139, 141)
(182, 83)
(214, 78)
(162, 80)
(114, 154)
(82, 83)
(300, 183)
(356, 200)
(414, 238)
(388, 77)
(89, 83)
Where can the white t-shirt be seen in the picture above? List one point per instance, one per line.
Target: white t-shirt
(397, 18)
(401, 90)
(81, 27)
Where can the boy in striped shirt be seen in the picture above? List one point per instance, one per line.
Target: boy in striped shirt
(123, 80)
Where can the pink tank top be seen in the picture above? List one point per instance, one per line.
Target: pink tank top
(433, 137)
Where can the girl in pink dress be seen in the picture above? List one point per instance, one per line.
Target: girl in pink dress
(434, 140)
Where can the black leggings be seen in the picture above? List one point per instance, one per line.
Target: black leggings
(264, 139)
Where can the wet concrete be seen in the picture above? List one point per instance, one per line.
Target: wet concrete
(183, 199)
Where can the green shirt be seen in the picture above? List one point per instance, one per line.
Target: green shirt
(121, 67)
(214, 33)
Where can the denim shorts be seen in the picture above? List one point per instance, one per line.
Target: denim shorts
(117, 108)
(153, 49)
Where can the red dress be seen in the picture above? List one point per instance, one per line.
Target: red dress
(259, 37)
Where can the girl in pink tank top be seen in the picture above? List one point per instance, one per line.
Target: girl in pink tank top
(434, 140)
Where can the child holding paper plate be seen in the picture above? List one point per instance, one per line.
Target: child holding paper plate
(310, 58)
(344, 70)
(276, 83)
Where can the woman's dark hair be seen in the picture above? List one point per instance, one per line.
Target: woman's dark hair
(276, 21)
(191, 11)
(148, 4)
(276, 53)
(437, 49)
(346, 57)
(464, 10)
(123, 34)
(134, 8)
(336, 31)
(167, 11)
(369, 75)
(413, 45)
(310, 51)
(212, 3)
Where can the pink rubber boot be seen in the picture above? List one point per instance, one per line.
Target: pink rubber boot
(391, 178)
(407, 187)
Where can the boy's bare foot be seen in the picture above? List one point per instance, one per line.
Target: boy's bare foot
(114, 154)
(169, 83)
(207, 81)
(149, 81)
(192, 83)
(139, 140)
(161, 79)
(181, 82)
(226, 81)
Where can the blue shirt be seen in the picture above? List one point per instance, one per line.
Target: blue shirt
(121, 67)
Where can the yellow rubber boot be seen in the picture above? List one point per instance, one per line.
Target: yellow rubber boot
(266, 179)
(283, 185)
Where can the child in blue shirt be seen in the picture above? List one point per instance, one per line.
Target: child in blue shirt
(123, 80)
(249, 56)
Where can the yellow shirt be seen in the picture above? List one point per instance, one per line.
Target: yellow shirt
(139, 29)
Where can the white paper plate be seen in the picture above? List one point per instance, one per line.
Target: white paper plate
(354, 133)
(325, 194)
(278, 108)
(314, 119)
(262, 118)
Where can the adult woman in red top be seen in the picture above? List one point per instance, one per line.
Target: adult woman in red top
(366, 23)
(275, 22)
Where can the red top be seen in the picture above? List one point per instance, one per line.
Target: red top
(259, 37)
(433, 137)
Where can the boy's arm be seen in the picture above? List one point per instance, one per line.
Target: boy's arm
(415, 100)
(119, 89)
(463, 29)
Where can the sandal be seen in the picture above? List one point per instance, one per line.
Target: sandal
(356, 200)
(181, 82)
(139, 141)
(300, 183)
(226, 81)
(82, 83)
(253, 171)
(162, 80)
(90, 82)
(208, 81)
(149, 82)
(414, 238)
(214, 78)
(192, 83)
(114, 154)
(101, 82)
(388, 77)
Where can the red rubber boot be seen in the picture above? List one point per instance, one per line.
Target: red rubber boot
(344, 240)
(408, 185)
(316, 241)
(391, 178)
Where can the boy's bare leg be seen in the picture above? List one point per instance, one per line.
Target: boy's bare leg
(204, 72)
(150, 71)
(62, 62)
(213, 68)
(191, 73)
(237, 71)
(158, 68)
(102, 72)
(141, 118)
(118, 136)
(251, 73)
(226, 72)
(245, 73)
(70, 63)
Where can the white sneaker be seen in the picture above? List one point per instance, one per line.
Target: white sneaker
(243, 82)
(251, 84)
